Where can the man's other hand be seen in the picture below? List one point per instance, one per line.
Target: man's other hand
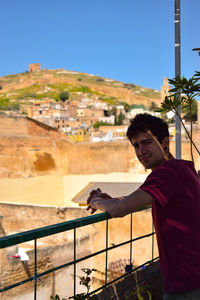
(94, 194)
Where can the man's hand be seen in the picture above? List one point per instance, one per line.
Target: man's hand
(96, 194)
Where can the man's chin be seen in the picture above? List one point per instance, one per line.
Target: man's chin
(147, 165)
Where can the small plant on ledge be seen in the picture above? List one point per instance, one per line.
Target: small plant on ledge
(84, 280)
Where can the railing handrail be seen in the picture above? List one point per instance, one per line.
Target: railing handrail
(33, 234)
(29, 235)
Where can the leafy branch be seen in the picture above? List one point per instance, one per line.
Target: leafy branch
(183, 95)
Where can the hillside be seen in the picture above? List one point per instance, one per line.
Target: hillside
(24, 88)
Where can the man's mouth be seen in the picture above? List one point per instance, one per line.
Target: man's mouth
(145, 158)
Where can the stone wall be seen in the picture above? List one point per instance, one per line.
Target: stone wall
(34, 67)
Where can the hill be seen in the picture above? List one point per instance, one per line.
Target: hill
(25, 88)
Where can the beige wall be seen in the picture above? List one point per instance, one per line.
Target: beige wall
(55, 190)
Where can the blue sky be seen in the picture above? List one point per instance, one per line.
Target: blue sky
(126, 40)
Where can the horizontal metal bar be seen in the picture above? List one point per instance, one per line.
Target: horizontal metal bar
(29, 235)
(4, 289)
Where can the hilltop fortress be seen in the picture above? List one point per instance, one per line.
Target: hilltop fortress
(36, 76)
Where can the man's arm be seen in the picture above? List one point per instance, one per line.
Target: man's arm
(120, 208)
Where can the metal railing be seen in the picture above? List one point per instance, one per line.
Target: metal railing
(34, 235)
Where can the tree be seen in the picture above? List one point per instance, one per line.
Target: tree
(119, 119)
(126, 106)
(64, 96)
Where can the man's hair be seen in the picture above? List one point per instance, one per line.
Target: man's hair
(145, 122)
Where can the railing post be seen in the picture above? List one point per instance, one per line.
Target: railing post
(106, 271)
(131, 236)
(35, 277)
(74, 262)
(152, 241)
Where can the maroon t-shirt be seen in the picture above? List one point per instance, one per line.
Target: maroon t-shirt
(175, 186)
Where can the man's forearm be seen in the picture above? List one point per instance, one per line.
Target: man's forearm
(120, 208)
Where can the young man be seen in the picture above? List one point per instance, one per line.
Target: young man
(173, 190)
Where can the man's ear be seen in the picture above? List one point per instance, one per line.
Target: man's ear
(165, 144)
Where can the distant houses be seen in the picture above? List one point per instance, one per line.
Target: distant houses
(77, 118)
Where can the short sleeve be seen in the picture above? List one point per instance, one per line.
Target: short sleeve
(161, 184)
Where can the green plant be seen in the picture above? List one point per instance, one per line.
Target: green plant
(109, 100)
(119, 119)
(5, 104)
(126, 106)
(84, 280)
(182, 95)
(99, 123)
(83, 89)
(64, 96)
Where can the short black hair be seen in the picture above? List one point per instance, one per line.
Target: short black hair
(145, 122)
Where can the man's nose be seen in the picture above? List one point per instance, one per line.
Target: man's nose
(141, 150)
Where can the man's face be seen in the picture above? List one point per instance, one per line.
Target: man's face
(148, 150)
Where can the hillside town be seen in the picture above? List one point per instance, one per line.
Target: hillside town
(84, 115)
(77, 119)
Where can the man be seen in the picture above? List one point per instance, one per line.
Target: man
(173, 190)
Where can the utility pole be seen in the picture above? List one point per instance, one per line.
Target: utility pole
(177, 71)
